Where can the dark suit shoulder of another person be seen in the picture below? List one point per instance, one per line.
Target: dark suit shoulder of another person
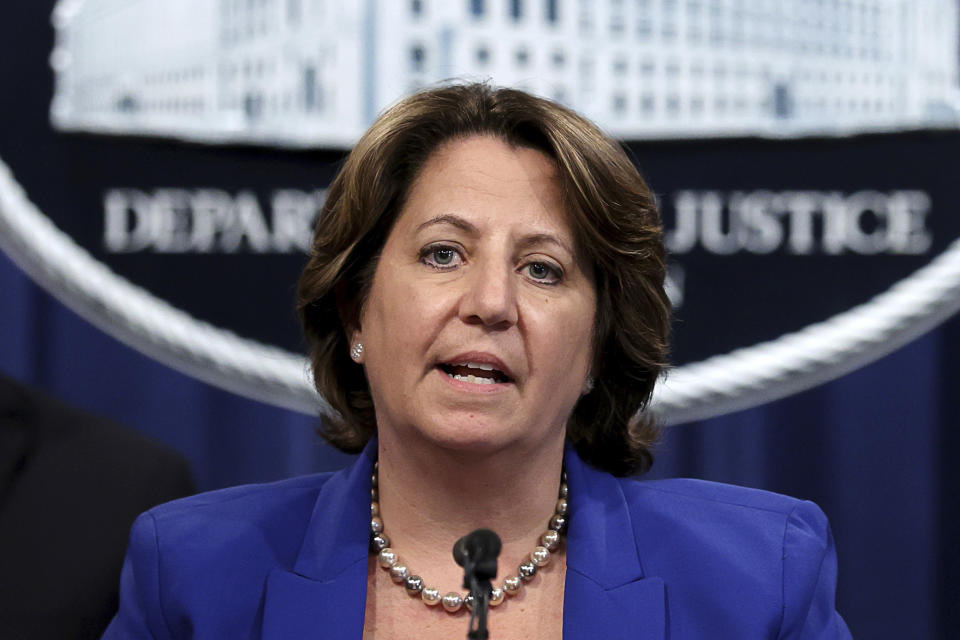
(71, 484)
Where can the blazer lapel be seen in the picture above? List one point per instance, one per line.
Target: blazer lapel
(299, 608)
(324, 596)
(635, 610)
(606, 594)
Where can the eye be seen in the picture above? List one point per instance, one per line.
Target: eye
(441, 256)
(544, 272)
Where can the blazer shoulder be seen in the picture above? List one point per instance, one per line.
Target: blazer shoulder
(774, 554)
(265, 522)
(109, 463)
(715, 494)
(290, 499)
(198, 565)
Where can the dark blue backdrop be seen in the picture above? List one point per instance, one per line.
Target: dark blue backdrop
(875, 448)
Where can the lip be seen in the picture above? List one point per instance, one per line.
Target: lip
(481, 357)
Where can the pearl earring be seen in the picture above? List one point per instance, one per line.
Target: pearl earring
(588, 385)
(356, 351)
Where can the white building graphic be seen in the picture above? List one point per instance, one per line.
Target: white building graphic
(317, 72)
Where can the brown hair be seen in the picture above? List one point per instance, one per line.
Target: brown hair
(612, 214)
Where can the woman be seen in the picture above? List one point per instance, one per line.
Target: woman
(485, 306)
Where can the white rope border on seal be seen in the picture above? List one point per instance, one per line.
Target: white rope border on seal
(818, 353)
(140, 319)
(721, 384)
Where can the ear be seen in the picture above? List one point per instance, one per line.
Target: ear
(348, 308)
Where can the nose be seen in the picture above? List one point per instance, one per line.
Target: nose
(490, 296)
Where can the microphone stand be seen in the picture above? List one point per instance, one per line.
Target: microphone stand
(477, 553)
(480, 589)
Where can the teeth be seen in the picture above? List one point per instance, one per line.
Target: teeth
(475, 365)
(473, 379)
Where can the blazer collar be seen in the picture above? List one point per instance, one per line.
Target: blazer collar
(325, 596)
(606, 592)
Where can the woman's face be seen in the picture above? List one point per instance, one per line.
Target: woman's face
(477, 330)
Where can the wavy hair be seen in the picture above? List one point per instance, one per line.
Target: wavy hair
(613, 217)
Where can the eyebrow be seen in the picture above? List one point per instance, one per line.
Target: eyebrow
(465, 225)
(541, 238)
(452, 219)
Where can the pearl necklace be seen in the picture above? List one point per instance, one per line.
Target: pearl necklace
(454, 600)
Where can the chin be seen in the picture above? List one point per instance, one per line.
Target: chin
(470, 433)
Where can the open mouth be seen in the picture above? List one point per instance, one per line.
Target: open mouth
(474, 372)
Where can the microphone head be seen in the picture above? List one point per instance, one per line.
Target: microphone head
(478, 547)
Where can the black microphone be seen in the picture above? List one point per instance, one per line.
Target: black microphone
(477, 553)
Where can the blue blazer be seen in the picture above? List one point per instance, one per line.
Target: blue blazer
(653, 560)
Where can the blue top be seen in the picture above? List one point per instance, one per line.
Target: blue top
(659, 559)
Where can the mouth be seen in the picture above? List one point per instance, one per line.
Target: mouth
(474, 372)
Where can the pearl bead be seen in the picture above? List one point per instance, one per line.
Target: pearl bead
(558, 522)
(399, 572)
(374, 495)
(540, 556)
(511, 585)
(388, 558)
(380, 542)
(374, 509)
(452, 601)
(413, 584)
(496, 596)
(469, 601)
(550, 539)
(430, 596)
(562, 506)
(527, 570)
(376, 524)
(564, 490)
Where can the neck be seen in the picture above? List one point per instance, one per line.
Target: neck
(430, 496)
